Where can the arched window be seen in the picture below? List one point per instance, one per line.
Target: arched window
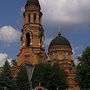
(27, 58)
(29, 18)
(27, 40)
(55, 55)
(65, 55)
(34, 18)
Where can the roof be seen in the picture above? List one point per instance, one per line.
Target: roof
(33, 2)
(59, 40)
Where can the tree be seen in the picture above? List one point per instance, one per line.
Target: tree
(83, 69)
(22, 80)
(14, 62)
(6, 77)
(51, 76)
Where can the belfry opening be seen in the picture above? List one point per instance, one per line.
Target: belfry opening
(28, 40)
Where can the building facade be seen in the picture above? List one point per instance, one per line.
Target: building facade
(60, 51)
(32, 38)
(33, 47)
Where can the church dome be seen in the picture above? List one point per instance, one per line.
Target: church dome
(33, 2)
(59, 40)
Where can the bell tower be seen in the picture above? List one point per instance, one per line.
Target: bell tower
(32, 37)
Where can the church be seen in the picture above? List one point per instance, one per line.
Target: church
(33, 44)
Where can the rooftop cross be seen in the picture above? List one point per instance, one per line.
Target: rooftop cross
(59, 31)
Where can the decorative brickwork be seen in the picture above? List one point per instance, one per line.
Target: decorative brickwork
(60, 51)
(33, 49)
(32, 38)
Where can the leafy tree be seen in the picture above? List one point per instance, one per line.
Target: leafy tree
(83, 69)
(50, 76)
(22, 80)
(6, 77)
(73, 66)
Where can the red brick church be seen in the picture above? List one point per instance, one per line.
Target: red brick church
(33, 47)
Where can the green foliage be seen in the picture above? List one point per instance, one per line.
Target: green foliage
(83, 69)
(74, 67)
(49, 75)
(22, 80)
(5, 77)
(14, 62)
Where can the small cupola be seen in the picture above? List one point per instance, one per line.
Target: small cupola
(59, 40)
(32, 2)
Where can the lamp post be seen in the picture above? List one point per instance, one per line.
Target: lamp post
(30, 69)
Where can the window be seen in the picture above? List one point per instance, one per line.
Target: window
(27, 58)
(34, 18)
(55, 55)
(65, 54)
(27, 40)
(29, 18)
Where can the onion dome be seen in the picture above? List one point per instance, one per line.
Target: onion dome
(33, 2)
(59, 40)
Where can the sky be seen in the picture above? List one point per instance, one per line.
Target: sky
(70, 17)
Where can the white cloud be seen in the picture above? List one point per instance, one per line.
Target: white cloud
(76, 61)
(9, 35)
(77, 49)
(66, 11)
(22, 9)
(3, 58)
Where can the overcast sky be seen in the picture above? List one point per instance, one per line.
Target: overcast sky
(70, 17)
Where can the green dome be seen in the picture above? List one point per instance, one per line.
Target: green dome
(59, 40)
(33, 2)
